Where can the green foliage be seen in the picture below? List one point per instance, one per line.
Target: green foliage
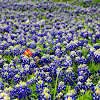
(86, 96)
(75, 68)
(34, 95)
(9, 58)
(93, 67)
(68, 88)
(85, 52)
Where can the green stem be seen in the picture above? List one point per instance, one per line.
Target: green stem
(57, 80)
(56, 83)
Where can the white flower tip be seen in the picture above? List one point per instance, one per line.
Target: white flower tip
(27, 21)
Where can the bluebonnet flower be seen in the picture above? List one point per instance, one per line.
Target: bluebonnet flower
(91, 51)
(17, 50)
(82, 60)
(77, 59)
(80, 78)
(24, 72)
(58, 45)
(79, 86)
(63, 38)
(1, 52)
(3, 45)
(69, 98)
(38, 49)
(11, 49)
(61, 60)
(48, 79)
(97, 56)
(31, 45)
(20, 91)
(8, 89)
(36, 72)
(97, 35)
(82, 42)
(32, 65)
(79, 53)
(58, 52)
(83, 69)
(71, 95)
(1, 85)
(16, 59)
(2, 61)
(22, 41)
(4, 96)
(61, 73)
(47, 50)
(82, 91)
(42, 74)
(59, 96)
(65, 42)
(98, 72)
(73, 44)
(31, 81)
(69, 76)
(24, 59)
(13, 42)
(45, 59)
(1, 37)
(6, 36)
(12, 64)
(46, 68)
(96, 94)
(61, 86)
(1, 57)
(68, 61)
(72, 54)
(89, 84)
(16, 79)
(8, 71)
(39, 86)
(51, 57)
(93, 39)
(53, 48)
(45, 95)
(69, 36)
(98, 85)
(89, 57)
(53, 71)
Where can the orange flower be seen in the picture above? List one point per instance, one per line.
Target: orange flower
(32, 71)
(39, 65)
(37, 59)
(28, 53)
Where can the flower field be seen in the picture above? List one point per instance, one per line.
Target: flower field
(49, 50)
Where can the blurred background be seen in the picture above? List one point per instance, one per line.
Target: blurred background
(69, 0)
(75, 0)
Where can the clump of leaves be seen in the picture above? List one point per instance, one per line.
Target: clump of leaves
(86, 96)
